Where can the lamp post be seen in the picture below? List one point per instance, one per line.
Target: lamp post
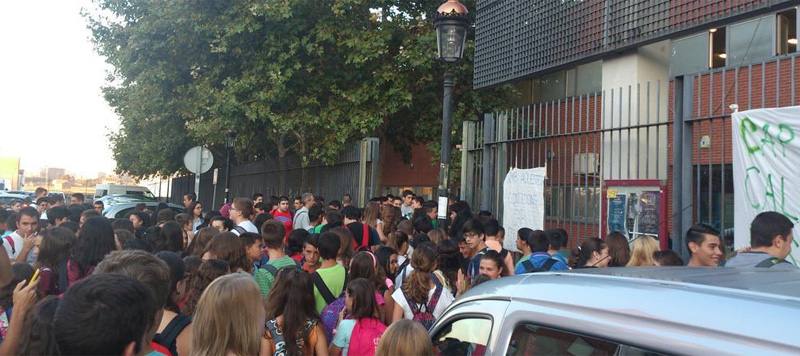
(230, 141)
(451, 22)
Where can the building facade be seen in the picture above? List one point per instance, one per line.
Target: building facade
(628, 104)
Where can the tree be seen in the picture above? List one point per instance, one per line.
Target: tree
(303, 76)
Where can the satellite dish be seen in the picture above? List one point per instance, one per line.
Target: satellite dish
(198, 160)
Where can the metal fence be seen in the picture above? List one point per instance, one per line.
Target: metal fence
(676, 133)
(355, 172)
(707, 167)
(617, 134)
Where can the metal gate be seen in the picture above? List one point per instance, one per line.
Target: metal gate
(584, 141)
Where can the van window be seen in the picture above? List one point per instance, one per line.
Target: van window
(467, 336)
(529, 339)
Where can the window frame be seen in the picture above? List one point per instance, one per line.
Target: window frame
(450, 320)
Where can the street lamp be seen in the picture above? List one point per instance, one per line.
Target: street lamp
(230, 141)
(451, 22)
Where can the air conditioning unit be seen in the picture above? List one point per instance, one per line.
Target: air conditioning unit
(586, 164)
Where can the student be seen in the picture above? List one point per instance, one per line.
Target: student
(273, 234)
(448, 264)
(360, 333)
(365, 236)
(387, 259)
(140, 223)
(154, 274)
(704, 245)
(188, 199)
(492, 264)
(229, 318)
(221, 223)
(282, 213)
(311, 260)
(200, 242)
(642, 250)
(399, 241)
(494, 241)
(295, 244)
(315, 217)
(38, 337)
(540, 260)
(20, 243)
(99, 206)
(293, 325)
(174, 331)
(770, 242)
(21, 272)
(57, 215)
(593, 253)
(253, 245)
(372, 218)
(52, 260)
(406, 209)
(346, 242)
(667, 258)
(114, 306)
(558, 239)
(474, 236)
(206, 273)
(523, 236)
(168, 238)
(195, 211)
(95, 241)
(329, 278)
(422, 297)
(395, 340)
(240, 213)
(390, 217)
(619, 251)
(229, 248)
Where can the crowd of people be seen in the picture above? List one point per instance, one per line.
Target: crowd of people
(281, 276)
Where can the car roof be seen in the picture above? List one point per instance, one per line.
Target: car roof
(784, 283)
(752, 303)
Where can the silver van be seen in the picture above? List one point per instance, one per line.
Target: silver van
(627, 311)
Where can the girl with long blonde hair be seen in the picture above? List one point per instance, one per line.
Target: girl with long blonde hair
(642, 250)
(229, 319)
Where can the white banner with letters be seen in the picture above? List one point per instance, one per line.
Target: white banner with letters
(766, 169)
(523, 202)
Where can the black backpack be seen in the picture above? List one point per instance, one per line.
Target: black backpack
(546, 266)
(274, 270)
(168, 338)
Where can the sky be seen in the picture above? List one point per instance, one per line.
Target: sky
(52, 112)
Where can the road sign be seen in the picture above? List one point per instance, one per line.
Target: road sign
(198, 160)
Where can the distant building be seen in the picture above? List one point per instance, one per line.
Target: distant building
(10, 173)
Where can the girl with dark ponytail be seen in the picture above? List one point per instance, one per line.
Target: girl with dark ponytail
(592, 253)
(421, 292)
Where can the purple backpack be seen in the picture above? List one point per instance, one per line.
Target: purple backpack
(330, 317)
(423, 313)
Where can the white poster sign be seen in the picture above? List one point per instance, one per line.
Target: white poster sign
(523, 202)
(766, 157)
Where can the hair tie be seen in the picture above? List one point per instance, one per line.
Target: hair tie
(374, 260)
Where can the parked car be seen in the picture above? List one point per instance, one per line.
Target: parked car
(627, 311)
(8, 199)
(120, 210)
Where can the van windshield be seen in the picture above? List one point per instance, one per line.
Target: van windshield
(146, 195)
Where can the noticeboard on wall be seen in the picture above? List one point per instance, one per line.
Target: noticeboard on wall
(636, 208)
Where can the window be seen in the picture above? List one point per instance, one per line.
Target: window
(529, 339)
(709, 208)
(716, 45)
(468, 336)
(751, 41)
(786, 32)
(689, 55)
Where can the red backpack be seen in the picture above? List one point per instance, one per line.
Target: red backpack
(365, 337)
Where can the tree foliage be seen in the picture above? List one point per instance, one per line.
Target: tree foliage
(306, 76)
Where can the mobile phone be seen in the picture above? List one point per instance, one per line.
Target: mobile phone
(35, 276)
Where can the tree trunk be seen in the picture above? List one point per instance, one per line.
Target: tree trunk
(282, 150)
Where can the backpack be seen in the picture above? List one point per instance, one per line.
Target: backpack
(364, 246)
(330, 317)
(401, 271)
(274, 270)
(425, 317)
(11, 243)
(168, 338)
(365, 337)
(546, 266)
(278, 341)
(239, 229)
(769, 262)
